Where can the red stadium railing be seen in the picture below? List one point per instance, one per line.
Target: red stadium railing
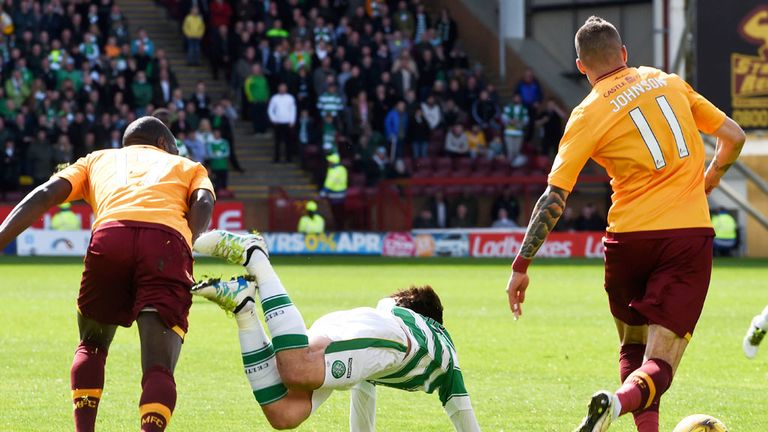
(389, 206)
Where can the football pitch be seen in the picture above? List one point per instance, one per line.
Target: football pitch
(533, 375)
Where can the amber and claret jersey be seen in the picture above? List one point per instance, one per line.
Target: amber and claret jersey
(642, 125)
(139, 183)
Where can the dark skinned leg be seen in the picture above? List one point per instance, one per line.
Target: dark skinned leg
(160, 348)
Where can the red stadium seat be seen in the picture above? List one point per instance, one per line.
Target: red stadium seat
(422, 164)
(443, 164)
(357, 180)
(483, 166)
(464, 164)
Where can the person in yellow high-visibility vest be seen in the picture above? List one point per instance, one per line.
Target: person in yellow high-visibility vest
(335, 188)
(311, 222)
(726, 232)
(65, 219)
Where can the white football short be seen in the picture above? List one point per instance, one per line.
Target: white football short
(366, 343)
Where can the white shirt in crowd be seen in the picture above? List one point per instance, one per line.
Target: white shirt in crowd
(282, 109)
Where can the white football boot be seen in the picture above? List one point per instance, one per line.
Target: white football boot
(234, 248)
(233, 295)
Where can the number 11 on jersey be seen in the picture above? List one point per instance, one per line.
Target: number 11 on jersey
(650, 138)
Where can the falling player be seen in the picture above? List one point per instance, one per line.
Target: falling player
(642, 125)
(149, 204)
(401, 344)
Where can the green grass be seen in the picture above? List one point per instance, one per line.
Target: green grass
(532, 375)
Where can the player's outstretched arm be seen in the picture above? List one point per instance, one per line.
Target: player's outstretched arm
(32, 207)
(730, 141)
(200, 211)
(545, 215)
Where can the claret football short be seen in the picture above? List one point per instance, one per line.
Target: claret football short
(135, 266)
(659, 277)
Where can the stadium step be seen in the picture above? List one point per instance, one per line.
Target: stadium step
(254, 151)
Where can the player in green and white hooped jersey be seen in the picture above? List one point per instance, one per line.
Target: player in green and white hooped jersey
(401, 344)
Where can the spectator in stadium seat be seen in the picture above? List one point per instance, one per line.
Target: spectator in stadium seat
(63, 150)
(432, 112)
(16, 88)
(418, 134)
(195, 146)
(142, 93)
(529, 89)
(240, 72)
(424, 220)
(478, 147)
(460, 218)
(550, 121)
(218, 157)
(163, 88)
(194, 29)
(221, 52)
(305, 132)
(143, 40)
(257, 95)
(440, 210)
(452, 114)
(485, 111)
(496, 149)
(201, 100)
(404, 19)
(567, 222)
(589, 219)
(456, 142)
(515, 118)
(282, 114)
(40, 158)
(507, 201)
(311, 222)
(447, 31)
(503, 220)
(396, 127)
(330, 103)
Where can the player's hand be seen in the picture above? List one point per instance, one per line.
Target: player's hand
(518, 283)
(711, 180)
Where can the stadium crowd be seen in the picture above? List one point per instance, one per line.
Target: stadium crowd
(381, 84)
(73, 79)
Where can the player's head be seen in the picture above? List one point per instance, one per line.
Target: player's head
(599, 47)
(423, 300)
(150, 131)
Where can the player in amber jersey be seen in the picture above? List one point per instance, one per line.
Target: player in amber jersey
(150, 204)
(642, 125)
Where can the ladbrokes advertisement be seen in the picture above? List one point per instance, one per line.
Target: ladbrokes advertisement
(732, 58)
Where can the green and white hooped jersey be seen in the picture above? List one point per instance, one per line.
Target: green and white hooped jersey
(432, 363)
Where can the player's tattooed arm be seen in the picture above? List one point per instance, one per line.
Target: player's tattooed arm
(720, 169)
(545, 215)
